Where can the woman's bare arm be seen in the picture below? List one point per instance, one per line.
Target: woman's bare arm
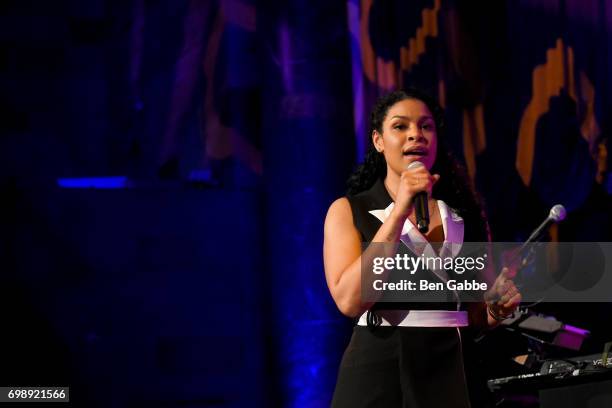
(342, 244)
(342, 254)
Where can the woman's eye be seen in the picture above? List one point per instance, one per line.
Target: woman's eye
(399, 127)
(427, 126)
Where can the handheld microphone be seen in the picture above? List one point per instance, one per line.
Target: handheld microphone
(420, 204)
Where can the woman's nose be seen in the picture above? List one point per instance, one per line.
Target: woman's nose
(416, 136)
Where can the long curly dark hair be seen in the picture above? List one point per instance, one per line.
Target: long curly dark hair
(454, 187)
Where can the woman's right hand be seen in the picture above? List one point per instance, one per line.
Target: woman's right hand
(412, 181)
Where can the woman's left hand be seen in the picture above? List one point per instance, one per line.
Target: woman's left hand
(504, 297)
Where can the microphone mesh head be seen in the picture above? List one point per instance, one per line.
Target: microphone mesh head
(557, 213)
(415, 164)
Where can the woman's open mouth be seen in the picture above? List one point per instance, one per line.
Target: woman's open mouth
(416, 152)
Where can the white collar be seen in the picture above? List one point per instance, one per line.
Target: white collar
(452, 224)
(453, 227)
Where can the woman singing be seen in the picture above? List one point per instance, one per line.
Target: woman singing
(402, 354)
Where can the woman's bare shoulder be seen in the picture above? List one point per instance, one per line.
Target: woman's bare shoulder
(339, 220)
(339, 210)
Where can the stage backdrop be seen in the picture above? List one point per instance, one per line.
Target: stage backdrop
(525, 85)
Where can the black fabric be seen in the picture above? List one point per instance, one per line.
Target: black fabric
(414, 367)
(377, 198)
(407, 367)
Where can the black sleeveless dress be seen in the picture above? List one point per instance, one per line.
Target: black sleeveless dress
(386, 366)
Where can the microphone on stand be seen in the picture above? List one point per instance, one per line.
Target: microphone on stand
(527, 251)
(556, 214)
(420, 204)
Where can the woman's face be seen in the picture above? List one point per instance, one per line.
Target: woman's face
(409, 134)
